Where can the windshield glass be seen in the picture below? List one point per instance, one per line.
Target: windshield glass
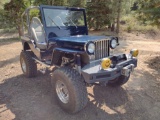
(59, 18)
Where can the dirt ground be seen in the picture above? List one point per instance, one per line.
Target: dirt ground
(31, 99)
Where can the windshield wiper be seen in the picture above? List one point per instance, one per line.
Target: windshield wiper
(73, 23)
(54, 22)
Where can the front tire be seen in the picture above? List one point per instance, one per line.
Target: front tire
(28, 65)
(69, 89)
(119, 81)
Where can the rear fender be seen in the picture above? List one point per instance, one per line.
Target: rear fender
(29, 45)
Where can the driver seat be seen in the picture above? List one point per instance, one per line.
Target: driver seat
(37, 33)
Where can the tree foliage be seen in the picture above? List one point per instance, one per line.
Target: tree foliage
(2, 14)
(149, 12)
(73, 3)
(97, 18)
(13, 11)
(100, 13)
(51, 2)
(2, 2)
(76, 3)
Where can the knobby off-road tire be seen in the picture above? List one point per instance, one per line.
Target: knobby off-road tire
(119, 81)
(69, 82)
(28, 65)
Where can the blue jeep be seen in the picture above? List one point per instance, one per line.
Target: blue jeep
(58, 36)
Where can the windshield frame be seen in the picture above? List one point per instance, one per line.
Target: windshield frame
(61, 8)
(63, 31)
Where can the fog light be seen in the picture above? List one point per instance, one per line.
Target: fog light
(105, 63)
(134, 52)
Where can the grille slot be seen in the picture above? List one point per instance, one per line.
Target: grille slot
(101, 49)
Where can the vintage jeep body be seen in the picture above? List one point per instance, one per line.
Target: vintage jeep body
(59, 37)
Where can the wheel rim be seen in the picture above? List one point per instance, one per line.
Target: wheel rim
(24, 68)
(62, 91)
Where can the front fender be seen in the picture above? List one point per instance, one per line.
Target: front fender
(58, 53)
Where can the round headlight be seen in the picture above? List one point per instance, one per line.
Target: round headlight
(113, 43)
(90, 48)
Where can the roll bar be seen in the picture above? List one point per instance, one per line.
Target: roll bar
(26, 12)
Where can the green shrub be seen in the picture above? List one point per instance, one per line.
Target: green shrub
(129, 29)
(132, 24)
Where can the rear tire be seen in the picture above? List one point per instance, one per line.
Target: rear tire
(69, 89)
(118, 81)
(28, 65)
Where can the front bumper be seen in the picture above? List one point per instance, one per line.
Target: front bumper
(93, 73)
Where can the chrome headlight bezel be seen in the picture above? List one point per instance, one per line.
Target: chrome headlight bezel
(90, 48)
(114, 43)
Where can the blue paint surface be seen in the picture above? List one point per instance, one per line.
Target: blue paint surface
(69, 50)
(78, 38)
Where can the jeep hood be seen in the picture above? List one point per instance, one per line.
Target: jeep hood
(78, 38)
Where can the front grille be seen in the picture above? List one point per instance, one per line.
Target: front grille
(102, 49)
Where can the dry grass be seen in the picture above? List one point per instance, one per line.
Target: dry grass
(132, 25)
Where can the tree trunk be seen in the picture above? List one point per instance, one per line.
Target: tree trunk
(20, 31)
(112, 27)
(52, 2)
(118, 16)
